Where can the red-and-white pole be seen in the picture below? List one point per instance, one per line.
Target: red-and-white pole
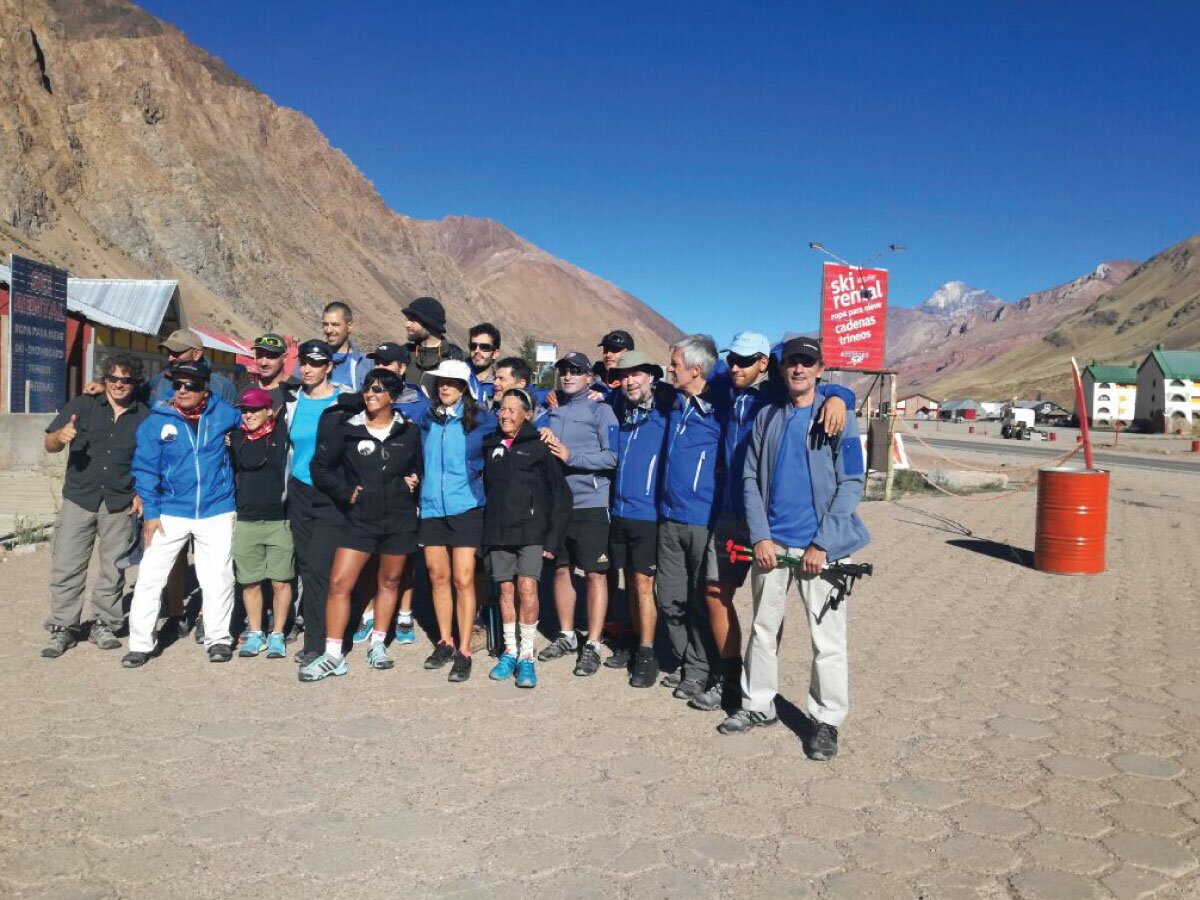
(1081, 404)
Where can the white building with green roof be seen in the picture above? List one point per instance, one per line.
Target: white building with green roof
(1168, 392)
(1110, 392)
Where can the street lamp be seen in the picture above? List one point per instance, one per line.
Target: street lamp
(865, 291)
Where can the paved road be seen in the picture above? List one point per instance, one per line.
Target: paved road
(1054, 450)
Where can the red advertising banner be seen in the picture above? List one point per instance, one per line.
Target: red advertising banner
(853, 316)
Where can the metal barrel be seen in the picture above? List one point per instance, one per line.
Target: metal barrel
(1072, 520)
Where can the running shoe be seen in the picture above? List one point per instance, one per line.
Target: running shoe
(746, 720)
(377, 656)
(645, 668)
(253, 643)
(276, 646)
(526, 673)
(503, 670)
(688, 688)
(219, 653)
(461, 670)
(406, 633)
(589, 661)
(822, 745)
(322, 667)
(442, 654)
(135, 659)
(364, 630)
(560, 646)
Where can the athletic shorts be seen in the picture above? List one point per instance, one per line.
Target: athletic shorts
(586, 545)
(392, 543)
(633, 544)
(263, 551)
(719, 568)
(506, 563)
(463, 530)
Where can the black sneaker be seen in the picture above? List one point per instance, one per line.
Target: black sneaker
(220, 653)
(461, 670)
(589, 661)
(442, 654)
(745, 720)
(304, 657)
(559, 647)
(688, 688)
(198, 630)
(822, 744)
(619, 659)
(645, 668)
(135, 659)
(672, 679)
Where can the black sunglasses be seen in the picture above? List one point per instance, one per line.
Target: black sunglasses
(119, 379)
(475, 345)
(802, 359)
(376, 389)
(572, 370)
(194, 387)
(737, 361)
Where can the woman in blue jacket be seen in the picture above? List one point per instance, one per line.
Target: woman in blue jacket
(182, 474)
(452, 499)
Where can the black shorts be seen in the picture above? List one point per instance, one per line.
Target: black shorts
(393, 543)
(633, 544)
(463, 530)
(586, 544)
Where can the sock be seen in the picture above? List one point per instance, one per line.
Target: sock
(368, 618)
(528, 632)
(596, 645)
(378, 637)
(572, 638)
(333, 649)
(510, 637)
(405, 618)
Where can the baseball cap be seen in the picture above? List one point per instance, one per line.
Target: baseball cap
(193, 371)
(254, 398)
(181, 339)
(317, 351)
(574, 358)
(749, 343)
(271, 343)
(801, 345)
(636, 360)
(617, 340)
(389, 352)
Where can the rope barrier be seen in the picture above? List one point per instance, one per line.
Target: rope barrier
(993, 471)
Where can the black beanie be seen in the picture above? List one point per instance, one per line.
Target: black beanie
(429, 312)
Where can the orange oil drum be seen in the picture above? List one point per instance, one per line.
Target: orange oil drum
(1072, 520)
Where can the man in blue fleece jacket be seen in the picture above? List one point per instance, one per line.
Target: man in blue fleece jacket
(801, 492)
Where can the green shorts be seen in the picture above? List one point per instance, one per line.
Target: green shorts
(262, 551)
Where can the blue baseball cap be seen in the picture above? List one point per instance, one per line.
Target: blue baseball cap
(749, 343)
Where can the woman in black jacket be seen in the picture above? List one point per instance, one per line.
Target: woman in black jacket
(369, 463)
(528, 507)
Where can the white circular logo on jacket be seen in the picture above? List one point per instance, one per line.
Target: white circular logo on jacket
(168, 433)
(366, 448)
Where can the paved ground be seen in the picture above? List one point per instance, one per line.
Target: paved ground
(1013, 734)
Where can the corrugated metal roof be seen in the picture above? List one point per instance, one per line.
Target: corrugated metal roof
(1181, 364)
(215, 340)
(135, 304)
(953, 405)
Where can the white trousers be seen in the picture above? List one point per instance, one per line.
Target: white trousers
(214, 570)
(829, 682)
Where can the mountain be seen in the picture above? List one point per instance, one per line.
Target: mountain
(127, 151)
(957, 296)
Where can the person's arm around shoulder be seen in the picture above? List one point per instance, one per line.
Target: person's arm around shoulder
(838, 401)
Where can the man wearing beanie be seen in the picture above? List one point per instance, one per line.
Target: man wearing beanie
(427, 344)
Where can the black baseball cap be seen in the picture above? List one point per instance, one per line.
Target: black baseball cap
(617, 340)
(576, 359)
(271, 343)
(801, 346)
(192, 371)
(390, 353)
(315, 350)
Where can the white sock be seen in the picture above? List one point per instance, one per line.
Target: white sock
(368, 617)
(378, 637)
(595, 645)
(333, 649)
(528, 633)
(405, 618)
(510, 637)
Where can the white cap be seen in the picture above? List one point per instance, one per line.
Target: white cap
(749, 343)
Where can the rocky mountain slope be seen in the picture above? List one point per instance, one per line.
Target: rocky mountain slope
(127, 151)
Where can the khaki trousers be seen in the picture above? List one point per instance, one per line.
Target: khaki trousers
(76, 532)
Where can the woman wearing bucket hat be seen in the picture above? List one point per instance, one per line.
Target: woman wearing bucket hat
(452, 499)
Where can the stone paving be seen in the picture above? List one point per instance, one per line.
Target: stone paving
(1013, 734)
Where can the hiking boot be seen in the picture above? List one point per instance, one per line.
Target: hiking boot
(322, 667)
(219, 653)
(253, 643)
(442, 654)
(526, 673)
(304, 657)
(461, 670)
(276, 646)
(102, 636)
(198, 630)
(504, 668)
(645, 668)
(619, 659)
(744, 720)
(672, 679)
(377, 656)
(711, 697)
(560, 646)
(589, 661)
(135, 659)
(406, 633)
(61, 640)
(688, 688)
(822, 744)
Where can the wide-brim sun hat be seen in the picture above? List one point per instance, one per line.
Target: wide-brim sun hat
(636, 360)
(447, 368)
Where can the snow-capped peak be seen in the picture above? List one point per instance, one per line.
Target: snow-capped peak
(955, 296)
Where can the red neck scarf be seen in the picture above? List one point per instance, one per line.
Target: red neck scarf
(260, 432)
(191, 415)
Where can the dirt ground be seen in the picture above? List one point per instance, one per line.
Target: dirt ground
(1012, 734)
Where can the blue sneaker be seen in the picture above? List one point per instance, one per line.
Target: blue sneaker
(364, 631)
(377, 656)
(276, 646)
(526, 674)
(322, 667)
(406, 634)
(253, 643)
(504, 668)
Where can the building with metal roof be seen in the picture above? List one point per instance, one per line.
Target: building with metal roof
(1110, 392)
(967, 409)
(1168, 390)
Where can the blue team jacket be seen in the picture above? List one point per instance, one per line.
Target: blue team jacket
(641, 445)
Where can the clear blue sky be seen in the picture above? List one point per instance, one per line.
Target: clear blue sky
(689, 152)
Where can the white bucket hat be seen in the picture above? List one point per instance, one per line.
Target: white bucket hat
(448, 368)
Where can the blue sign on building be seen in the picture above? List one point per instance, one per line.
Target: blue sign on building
(38, 337)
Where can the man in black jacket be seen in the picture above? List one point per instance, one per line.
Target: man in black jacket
(426, 325)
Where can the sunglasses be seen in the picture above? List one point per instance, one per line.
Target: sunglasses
(572, 370)
(119, 379)
(265, 351)
(172, 354)
(611, 348)
(315, 363)
(194, 387)
(737, 361)
(376, 389)
(475, 345)
(801, 360)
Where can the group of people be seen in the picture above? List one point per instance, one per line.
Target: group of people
(334, 486)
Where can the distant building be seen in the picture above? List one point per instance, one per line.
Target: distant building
(967, 410)
(1110, 393)
(1045, 412)
(1168, 390)
(916, 406)
(991, 409)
